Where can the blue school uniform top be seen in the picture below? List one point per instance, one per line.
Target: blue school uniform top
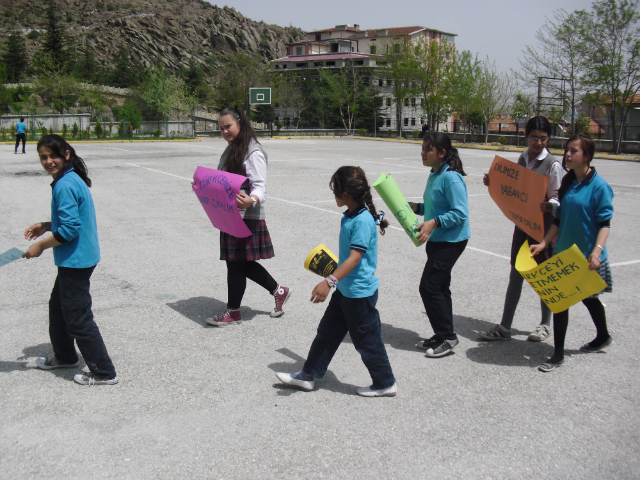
(358, 232)
(20, 128)
(445, 200)
(73, 222)
(585, 208)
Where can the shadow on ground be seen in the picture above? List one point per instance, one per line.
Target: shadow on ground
(330, 382)
(199, 309)
(29, 354)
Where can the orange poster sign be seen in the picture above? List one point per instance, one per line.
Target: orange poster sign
(518, 192)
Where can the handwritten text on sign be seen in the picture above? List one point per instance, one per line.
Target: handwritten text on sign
(518, 192)
(561, 281)
(217, 192)
(10, 256)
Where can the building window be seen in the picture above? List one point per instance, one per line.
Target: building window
(365, 80)
(413, 102)
(301, 65)
(359, 62)
(318, 37)
(388, 122)
(372, 49)
(388, 102)
(406, 122)
(318, 64)
(331, 64)
(413, 122)
(396, 48)
(298, 50)
(406, 102)
(334, 48)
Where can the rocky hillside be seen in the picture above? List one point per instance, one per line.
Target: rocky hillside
(174, 32)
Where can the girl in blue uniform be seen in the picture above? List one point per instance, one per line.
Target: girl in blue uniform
(76, 253)
(352, 307)
(446, 231)
(584, 218)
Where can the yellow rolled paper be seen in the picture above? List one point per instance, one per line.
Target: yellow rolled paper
(390, 193)
(561, 281)
(321, 261)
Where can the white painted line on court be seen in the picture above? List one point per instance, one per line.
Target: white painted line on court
(159, 171)
(622, 264)
(318, 208)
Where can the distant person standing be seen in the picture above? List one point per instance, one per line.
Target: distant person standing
(21, 134)
(425, 130)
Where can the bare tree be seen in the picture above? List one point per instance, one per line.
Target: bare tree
(558, 55)
(344, 88)
(495, 90)
(289, 92)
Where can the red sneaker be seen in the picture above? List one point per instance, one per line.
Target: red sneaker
(229, 317)
(281, 295)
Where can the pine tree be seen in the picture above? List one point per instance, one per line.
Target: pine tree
(54, 44)
(14, 57)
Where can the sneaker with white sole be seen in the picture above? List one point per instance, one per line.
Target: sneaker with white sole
(52, 363)
(497, 332)
(427, 344)
(541, 333)
(442, 348)
(229, 317)
(92, 379)
(382, 392)
(298, 379)
(281, 295)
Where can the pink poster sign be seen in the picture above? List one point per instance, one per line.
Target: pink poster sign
(217, 192)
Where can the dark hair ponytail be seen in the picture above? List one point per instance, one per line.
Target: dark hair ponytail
(59, 147)
(353, 181)
(442, 142)
(588, 149)
(537, 123)
(234, 162)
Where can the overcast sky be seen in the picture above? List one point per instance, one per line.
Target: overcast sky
(498, 28)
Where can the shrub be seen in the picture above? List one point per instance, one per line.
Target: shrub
(111, 7)
(65, 129)
(474, 138)
(43, 131)
(415, 133)
(74, 130)
(389, 133)
(121, 128)
(98, 129)
(50, 130)
(278, 125)
(503, 140)
(3, 132)
(130, 130)
(362, 132)
(110, 127)
(157, 133)
(88, 131)
(33, 35)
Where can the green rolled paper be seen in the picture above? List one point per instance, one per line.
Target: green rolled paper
(388, 189)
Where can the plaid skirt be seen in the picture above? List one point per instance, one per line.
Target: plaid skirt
(605, 274)
(257, 246)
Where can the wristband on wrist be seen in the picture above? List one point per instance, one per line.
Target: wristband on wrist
(600, 247)
(332, 281)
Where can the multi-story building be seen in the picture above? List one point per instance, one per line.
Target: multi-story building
(349, 46)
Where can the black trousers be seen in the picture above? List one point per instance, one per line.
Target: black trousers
(71, 318)
(434, 286)
(237, 273)
(23, 137)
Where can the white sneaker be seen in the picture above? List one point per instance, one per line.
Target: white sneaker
(383, 392)
(541, 333)
(296, 380)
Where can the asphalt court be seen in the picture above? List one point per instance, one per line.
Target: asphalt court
(196, 401)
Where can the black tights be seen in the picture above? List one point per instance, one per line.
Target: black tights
(561, 321)
(237, 274)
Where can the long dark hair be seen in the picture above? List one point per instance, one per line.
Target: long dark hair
(234, 162)
(353, 181)
(588, 149)
(59, 147)
(538, 123)
(442, 142)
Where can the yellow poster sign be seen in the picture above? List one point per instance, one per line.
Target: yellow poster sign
(561, 281)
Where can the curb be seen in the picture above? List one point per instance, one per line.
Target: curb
(554, 151)
(117, 141)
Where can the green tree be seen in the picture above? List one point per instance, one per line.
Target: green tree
(233, 80)
(290, 93)
(55, 41)
(612, 56)
(167, 94)
(14, 57)
(465, 86)
(401, 70)
(126, 73)
(55, 85)
(434, 72)
(87, 69)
